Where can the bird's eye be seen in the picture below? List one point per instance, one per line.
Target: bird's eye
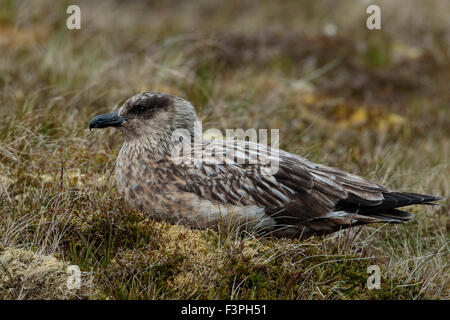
(139, 109)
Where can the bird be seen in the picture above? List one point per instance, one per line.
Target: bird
(298, 199)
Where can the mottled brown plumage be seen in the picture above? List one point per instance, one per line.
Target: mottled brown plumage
(299, 199)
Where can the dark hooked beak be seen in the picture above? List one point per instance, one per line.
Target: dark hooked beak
(107, 120)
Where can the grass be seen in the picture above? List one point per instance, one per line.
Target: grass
(375, 103)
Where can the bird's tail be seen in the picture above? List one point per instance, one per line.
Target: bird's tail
(385, 212)
(388, 210)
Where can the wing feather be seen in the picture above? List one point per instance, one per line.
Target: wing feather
(299, 192)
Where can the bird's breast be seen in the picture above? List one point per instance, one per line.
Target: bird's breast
(134, 174)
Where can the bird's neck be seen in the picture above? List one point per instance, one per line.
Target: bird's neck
(146, 149)
(157, 145)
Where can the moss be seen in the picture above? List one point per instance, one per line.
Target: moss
(28, 275)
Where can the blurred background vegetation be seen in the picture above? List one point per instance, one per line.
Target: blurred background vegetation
(373, 102)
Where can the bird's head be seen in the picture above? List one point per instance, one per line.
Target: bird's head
(149, 115)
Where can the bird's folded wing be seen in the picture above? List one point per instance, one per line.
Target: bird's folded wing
(227, 173)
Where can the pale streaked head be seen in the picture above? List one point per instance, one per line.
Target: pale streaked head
(149, 114)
